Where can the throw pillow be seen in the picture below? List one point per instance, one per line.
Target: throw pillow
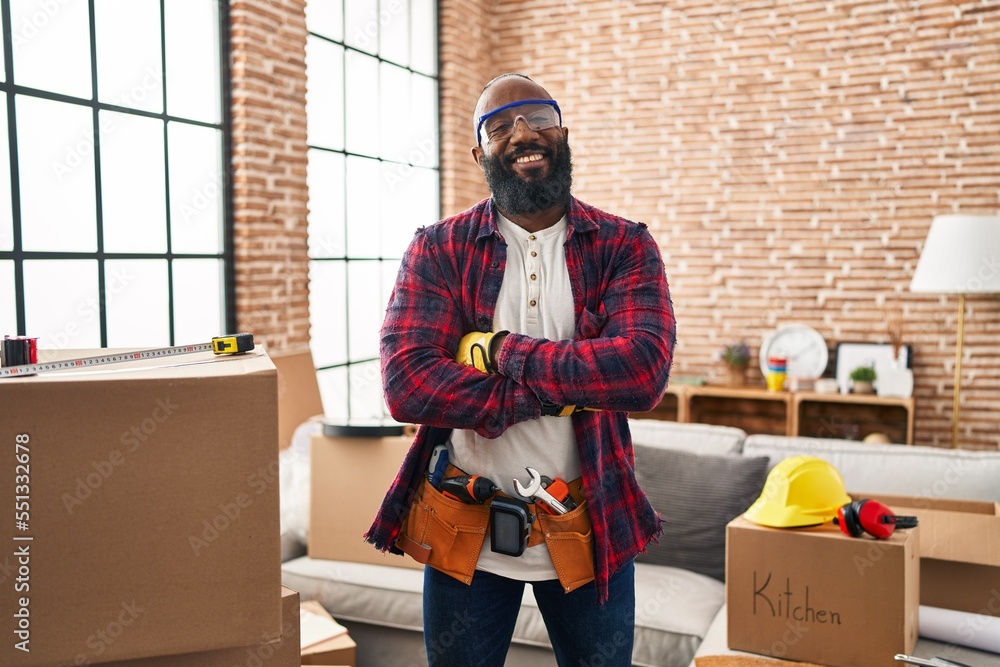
(697, 494)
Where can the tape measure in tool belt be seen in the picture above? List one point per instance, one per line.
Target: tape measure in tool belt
(19, 354)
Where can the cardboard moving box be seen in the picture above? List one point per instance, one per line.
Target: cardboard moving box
(817, 595)
(349, 479)
(339, 650)
(959, 551)
(279, 651)
(298, 392)
(147, 500)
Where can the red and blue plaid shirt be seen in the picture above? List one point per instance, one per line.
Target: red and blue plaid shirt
(618, 361)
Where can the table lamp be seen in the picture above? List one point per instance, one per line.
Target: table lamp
(961, 256)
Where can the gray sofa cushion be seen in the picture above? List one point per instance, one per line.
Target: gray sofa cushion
(697, 495)
(894, 469)
(698, 438)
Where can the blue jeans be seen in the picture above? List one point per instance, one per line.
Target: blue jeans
(472, 625)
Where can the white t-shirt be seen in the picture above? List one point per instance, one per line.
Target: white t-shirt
(535, 299)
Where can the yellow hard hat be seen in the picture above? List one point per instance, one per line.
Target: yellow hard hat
(799, 491)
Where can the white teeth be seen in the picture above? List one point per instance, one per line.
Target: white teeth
(529, 158)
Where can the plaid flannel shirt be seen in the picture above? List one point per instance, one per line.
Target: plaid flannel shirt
(618, 361)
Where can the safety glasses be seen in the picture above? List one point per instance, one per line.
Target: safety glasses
(537, 115)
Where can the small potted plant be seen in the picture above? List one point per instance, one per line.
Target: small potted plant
(863, 377)
(736, 357)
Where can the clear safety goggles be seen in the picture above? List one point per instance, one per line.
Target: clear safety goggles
(537, 115)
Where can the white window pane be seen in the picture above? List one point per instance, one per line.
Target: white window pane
(409, 201)
(361, 24)
(326, 17)
(6, 214)
(61, 304)
(8, 306)
(325, 178)
(196, 188)
(52, 45)
(423, 149)
(362, 104)
(333, 392)
(328, 312)
(325, 94)
(363, 188)
(132, 183)
(193, 72)
(137, 303)
(394, 33)
(198, 300)
(395, 110)
(58, 192)
(423, 27)
(367, 402)
(129, 71)
(365, 310)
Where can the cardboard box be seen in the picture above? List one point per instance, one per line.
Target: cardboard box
(349, 479)
(279, 651)
(340, 650)
(298, 392)
(959, 551)
(817, 595)
(337, 651)
(150, 509)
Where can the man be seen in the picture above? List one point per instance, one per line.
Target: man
(505, 322)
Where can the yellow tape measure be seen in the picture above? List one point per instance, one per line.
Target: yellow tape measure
(234, 344)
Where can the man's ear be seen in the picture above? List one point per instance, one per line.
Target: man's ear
(477, 155)
(565, 131)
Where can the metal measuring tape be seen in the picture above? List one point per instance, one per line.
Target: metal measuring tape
(20, 354)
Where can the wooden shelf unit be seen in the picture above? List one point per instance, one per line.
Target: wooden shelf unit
(757, 410)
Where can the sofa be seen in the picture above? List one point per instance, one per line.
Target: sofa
(699, 477)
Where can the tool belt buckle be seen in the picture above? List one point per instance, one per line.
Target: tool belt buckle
(510, 525)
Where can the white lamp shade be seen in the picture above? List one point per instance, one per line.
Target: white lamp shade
(961, 256)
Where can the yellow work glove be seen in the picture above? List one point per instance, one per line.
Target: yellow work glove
(476, 350)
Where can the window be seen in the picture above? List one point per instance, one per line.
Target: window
(113, 228)
(372, 109)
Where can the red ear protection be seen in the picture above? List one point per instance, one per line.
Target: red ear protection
(872, 517)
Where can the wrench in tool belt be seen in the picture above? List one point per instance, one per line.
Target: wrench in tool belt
(534, 490)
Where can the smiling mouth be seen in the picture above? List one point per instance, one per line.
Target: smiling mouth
(527, 159)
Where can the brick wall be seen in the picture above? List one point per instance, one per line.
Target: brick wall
(788, 157)
(268, 39)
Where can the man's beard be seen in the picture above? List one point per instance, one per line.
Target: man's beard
(518, 196)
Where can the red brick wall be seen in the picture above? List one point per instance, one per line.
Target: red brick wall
(466, 45)
(789, 159)
(268, 39)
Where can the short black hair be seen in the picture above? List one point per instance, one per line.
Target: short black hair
(505, 76)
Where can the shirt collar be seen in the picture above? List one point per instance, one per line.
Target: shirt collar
(579, 220)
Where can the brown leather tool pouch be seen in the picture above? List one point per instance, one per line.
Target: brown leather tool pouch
(570, 540)
(444, 533)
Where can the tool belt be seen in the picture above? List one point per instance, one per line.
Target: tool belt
(448, 535)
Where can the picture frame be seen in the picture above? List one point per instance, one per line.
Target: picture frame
(851, 355)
